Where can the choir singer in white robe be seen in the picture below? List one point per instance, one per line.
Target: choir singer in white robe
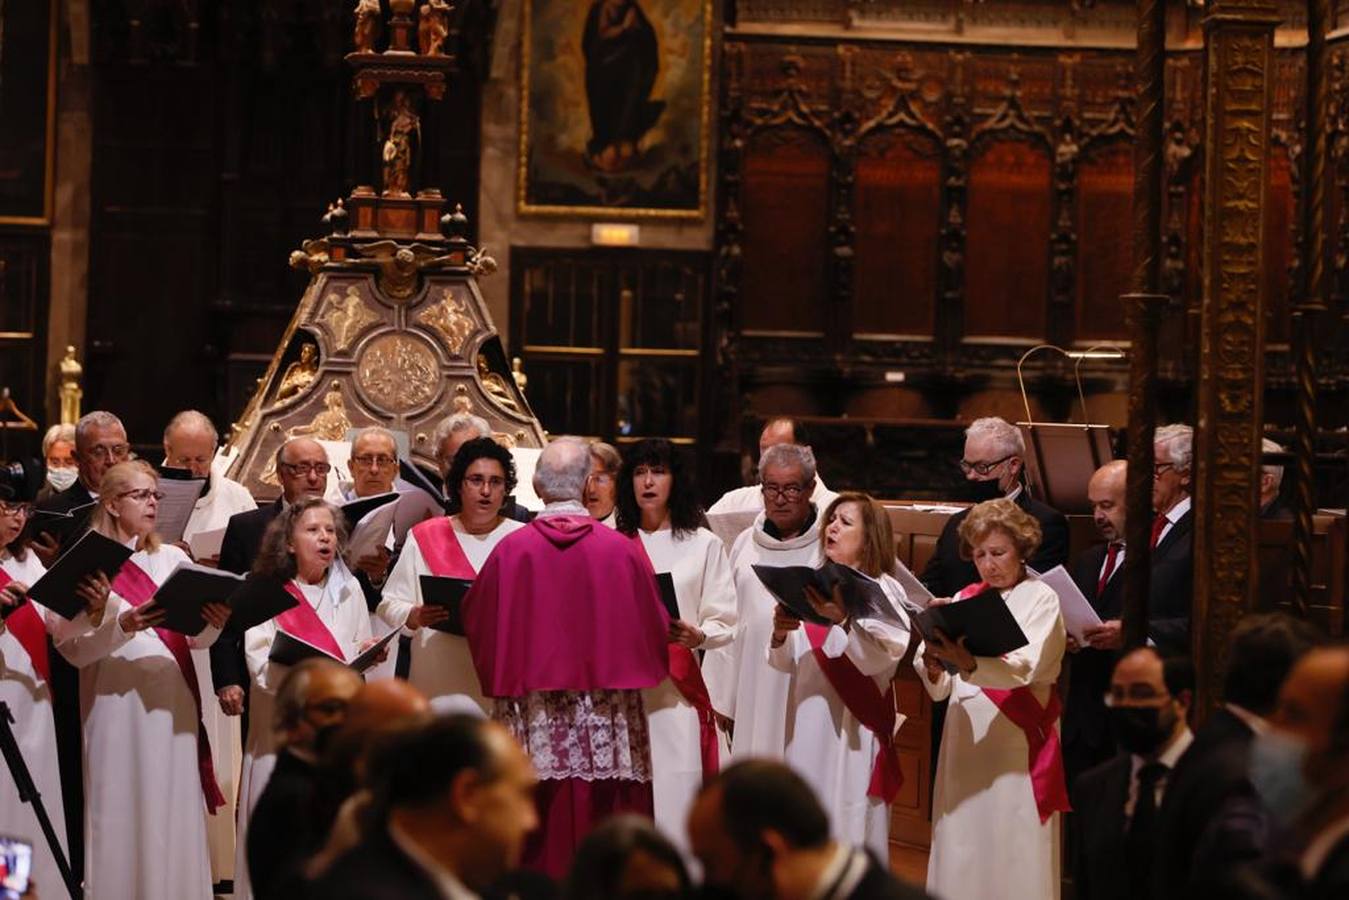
(1000, 784)
(841, 709)
(744, 686)
(658, 506)
(302, 547)
(478, 482)
(147, 760)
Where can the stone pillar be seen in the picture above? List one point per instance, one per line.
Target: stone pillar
(1239, 73)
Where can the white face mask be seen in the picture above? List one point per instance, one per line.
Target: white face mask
(60, 479)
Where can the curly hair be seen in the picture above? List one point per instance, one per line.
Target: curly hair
(878, 541)
(1000, 515)
(274, 560)
(469, 453)
(686, 515)
(115, 481)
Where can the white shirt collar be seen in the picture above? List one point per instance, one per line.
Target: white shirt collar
(1181, 508)
(840, 878)
(1255, 723)
(1016, 492)
(446, 882)
(1171, 755)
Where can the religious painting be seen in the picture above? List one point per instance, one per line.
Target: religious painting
(614, 107)
(27, 110)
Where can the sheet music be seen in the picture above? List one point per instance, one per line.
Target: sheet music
(180, 499)
(914, 590)
(1078, 613)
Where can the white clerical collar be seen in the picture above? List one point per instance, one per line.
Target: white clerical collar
(446, 882)
(840, 878)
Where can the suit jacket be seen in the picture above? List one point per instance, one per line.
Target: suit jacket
(374, 869)
(1099, 867)
(238, 549)
(1087, 740)
(1277, 509)
(947, 572)
(880, 884)
(282, 832)
(1172, 590)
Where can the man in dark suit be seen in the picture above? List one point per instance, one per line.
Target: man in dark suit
(1205, 824)
(311, 703)
(455, 804)
(100, 444)
(302, 468)
(1116, 802)
(759, 831)
(993, 463)
(1170, 595)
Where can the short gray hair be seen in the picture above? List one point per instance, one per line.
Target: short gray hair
(376, 431)
(1005, 436)
(1179, 443)
(96, 419)
(608, 456)
(562, 470)
(191, 418)
(278, 459)
(460, 421)
(785, 455)
(293, 692)
(57, 433)
(1275, 472)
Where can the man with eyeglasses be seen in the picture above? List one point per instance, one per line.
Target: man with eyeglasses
(1172, 585)
(1116, 803)
(993, 463)
(749, 498)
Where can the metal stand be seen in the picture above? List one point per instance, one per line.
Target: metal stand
(28, 793)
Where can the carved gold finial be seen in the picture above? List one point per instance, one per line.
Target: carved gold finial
(518, 373)
(70, 391)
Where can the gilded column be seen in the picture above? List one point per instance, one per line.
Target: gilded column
(1238, 43)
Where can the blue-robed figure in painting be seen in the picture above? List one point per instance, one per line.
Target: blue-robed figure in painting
(622, 57)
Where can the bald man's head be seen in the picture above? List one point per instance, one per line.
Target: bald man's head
(1106, 493)
(379, 708)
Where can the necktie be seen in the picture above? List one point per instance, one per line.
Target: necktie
(1111, 555)
(1158, 526)
(1138, 840)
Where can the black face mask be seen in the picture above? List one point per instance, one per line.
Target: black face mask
(1141, 729)
(323, 738)
(979, 491)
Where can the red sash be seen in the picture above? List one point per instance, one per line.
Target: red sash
(687, 677)
(440, 547)
(136, 587)
(28, 629)
(876, 711)
(1044, 757)
(303, 622)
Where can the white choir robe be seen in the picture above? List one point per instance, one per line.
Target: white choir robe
(826, 744)
(744, 686)
(705, 592)
(29, 699)
(144, 830)
(223, 498)
(340, 605)
(750, 499)
(987, 840)
(441, 664)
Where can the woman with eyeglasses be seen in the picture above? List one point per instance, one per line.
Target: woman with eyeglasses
(601, 492)
(658, 506)
(480, 479)
(303, 550)
(147, 762)
(25, 686)
(1000, 783)
(841, 705)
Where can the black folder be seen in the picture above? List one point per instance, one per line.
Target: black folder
(863, 598)
(665, 582)
(187, 589)
(438, 590)
(258, 599)
(288, 650)
(988, 626)
(91, 553)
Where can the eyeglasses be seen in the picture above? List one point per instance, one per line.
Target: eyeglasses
(144, 495)
(370, 461)
(600, 478)
(109, 451)
(477, 482)
(982, 468)
(1134, 695)
(306, 469)
(1160, 469)
(16, 510)
(787, 491)
(187, 462)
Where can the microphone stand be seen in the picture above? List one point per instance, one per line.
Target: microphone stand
(28, 793)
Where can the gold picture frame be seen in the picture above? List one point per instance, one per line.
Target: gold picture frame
(555, 176)
(43, 217)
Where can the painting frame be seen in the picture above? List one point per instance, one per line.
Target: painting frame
(33, 216)
(529, 130)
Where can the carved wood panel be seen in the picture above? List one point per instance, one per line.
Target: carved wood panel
(1105, 246)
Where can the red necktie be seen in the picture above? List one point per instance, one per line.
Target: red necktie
(1112, 554)
(1158, 526)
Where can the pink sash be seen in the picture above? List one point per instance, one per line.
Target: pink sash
(26, 626)
(303, 622)
(137, 588)
(687, 677)
(876, 711)
(1040, 726)
(440, 547)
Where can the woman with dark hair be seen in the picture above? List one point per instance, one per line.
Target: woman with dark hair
(301, 548)
(480, 479)
(658, 506)
(626, 857)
